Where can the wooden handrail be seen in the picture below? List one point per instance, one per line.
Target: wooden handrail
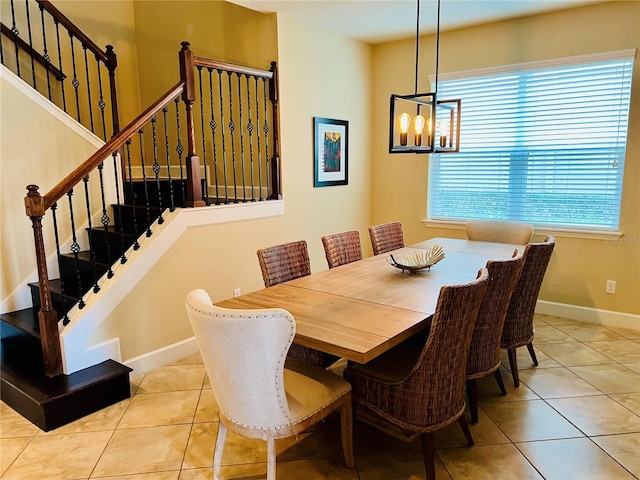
(111, 146)
(32, 52)
(69, 25)
(229, 67)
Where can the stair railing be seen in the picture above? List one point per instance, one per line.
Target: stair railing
(62, 63)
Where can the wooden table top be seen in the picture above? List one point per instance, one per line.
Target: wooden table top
(359, 310)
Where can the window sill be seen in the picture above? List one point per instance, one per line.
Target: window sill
(606, 235)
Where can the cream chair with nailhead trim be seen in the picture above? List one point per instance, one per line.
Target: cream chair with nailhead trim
(261, 393)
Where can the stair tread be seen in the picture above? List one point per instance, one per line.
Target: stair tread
(25, 320)
(55, 285)
(84, 256)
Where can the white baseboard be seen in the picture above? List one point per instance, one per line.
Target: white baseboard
(162, 356)
(607, 318)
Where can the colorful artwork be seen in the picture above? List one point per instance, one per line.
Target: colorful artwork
(331, 156)
(331, 149)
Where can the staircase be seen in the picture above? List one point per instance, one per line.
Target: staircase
(50, 402)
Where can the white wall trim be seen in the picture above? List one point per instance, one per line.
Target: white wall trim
(162, 356)
(607, 318)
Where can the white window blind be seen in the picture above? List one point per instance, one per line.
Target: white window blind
(543, 145)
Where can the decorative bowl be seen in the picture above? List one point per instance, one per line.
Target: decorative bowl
(418, 260)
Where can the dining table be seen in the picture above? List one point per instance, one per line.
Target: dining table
(359, 310)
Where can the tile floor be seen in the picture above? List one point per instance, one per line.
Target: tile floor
(575, 416)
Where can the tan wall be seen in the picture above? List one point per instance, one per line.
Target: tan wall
(223, 257)
(580, 267)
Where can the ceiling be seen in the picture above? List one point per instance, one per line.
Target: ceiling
(379, 21)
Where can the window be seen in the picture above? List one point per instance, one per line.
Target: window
(539, 142)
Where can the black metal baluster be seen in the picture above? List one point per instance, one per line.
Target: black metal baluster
(65, 316)
(144, 183)
(232, 129)
(86, 69)
(205, 194)
(250, 130)
(75, 249)
(172, 203)
(33, 65)
(265, 129)
(101, 103)
(75, 81)
(244, 185)
(105, 220)
(213, 126)
(64, 98)
(224, 150)
(156, 168)
(46, 57)
(180, 150)
(132, 193)
(92, 250)
(119, 206)
(259, 146)
(16, 33)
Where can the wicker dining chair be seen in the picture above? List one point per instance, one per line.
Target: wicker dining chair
(260, 393)
(484, 352)
(386, 237)
(518, 325)
(422, 389)
(500, 231)
(282, 263)
(342, 248)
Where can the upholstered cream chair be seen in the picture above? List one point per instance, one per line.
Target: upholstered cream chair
(386, 237)
(259, 395)
(342, 248)
(500, 231)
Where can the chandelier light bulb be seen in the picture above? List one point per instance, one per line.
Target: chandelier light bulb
(418, 125)
(405, 120)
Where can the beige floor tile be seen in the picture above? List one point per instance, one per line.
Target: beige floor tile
(539, 320)
(630, 401)
(207, 473)
(164, 408)
(70, 456)
(488, 462)
(599, 415)
(173, 378)
(10, 448)
(485, 432)
(572, 459)
(173, 475)
(316, 469)
(207, 410)
(633, 366)
(556, 382)
(624, 448)
(524, 359)
(553, 320)
(135, 383)
(12, 424)
(623, 351)
(588, 332)
(193, 359)
(144, 450)
(530, 420)
(105, 419)
(371, 441)
(572, 354)
(488, 390)
(626, 332)
(550, 334)
(610, 378)
(321, 440)
(397, 466)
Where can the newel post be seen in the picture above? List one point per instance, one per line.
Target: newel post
(112, 63)
(187, 75)
(47, 316)
(275, 160)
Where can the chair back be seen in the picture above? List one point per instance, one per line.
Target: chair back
(386, 237)
(518, 326)
(501, 231)
(285, 262)
(244, 352)
(342, 248)
(434, 390)
(484, 351)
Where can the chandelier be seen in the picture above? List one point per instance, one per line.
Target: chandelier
(440, 118)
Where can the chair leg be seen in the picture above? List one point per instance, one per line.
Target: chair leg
(271, 458)
(532, 352)
(498, 377)
(346, 427)
(513, 363)
(462, 421)
(429, 455)
(217, 454)
(472, 395)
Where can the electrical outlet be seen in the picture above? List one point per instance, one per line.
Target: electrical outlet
(237, 293)
(611, 286)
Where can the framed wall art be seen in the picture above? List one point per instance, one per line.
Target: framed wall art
(331, 152)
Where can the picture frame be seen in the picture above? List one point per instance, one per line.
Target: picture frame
(331, 152)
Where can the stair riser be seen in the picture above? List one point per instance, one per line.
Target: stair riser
(152, 194)
(69, 269)
(61, 304)
(117, 243)
(134, 220)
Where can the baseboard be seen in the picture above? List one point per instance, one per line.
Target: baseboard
(607, 318)
(162, 356)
